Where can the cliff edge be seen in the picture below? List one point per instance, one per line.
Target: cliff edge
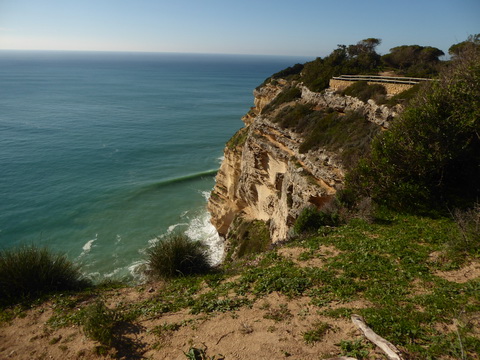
(292, 153)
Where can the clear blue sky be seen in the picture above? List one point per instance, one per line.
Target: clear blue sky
(277, 27)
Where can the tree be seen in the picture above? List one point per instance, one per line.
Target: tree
(414, 60)
(472, 43)
(431, 155)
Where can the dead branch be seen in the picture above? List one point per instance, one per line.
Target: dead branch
(387, 347)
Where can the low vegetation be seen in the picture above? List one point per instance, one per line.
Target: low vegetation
(176, 256)
(364, 91)
(395, 266)
(247, 238)
(430, 157)
(29, 272)
(286, 95)
(311, 219)
(238, 139)
(348, 134)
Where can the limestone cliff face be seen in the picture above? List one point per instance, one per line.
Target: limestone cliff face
(264, 176)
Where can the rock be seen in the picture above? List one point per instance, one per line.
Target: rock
(266, 178)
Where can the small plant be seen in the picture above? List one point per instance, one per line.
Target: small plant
(279, 314)
(246, 328)
(316, 333)
(311, 219)
(99, 323)
(468, 223)
(354, 349)
(28, 272)
(166, 329)
(201, 354)
(177, 256)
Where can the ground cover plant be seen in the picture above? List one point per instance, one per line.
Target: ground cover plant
(397, 266)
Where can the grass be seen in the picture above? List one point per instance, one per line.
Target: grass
(176, 256)
(29, 272)
(238, 139)
(279, 314)
(316, 334)
(348, 134)
(286, 95)
(391, 265)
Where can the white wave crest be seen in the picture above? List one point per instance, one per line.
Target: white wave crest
(87, 247)
(201, 229)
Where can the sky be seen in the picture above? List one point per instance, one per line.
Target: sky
(267, 27)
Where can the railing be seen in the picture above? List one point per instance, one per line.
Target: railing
(381, 79)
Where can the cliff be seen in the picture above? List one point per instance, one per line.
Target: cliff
(267, 173)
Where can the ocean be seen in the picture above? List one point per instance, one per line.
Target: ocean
(102, 154)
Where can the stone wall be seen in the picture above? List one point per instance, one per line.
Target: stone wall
(392, 89)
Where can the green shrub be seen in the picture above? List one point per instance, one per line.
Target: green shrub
(364, 91)
(177, 255)
(286, 95)
(316, 334)
(311, 219)
(468, 223)
(247, 238)
(404, 97)
(99, 323)
(414, 60)
(28, 272)
(430, 157)
(238, 139)
(291, 116)
(355, 349)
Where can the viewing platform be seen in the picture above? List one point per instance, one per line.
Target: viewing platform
(393, 84)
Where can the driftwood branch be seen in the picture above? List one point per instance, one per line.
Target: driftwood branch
(387, 347)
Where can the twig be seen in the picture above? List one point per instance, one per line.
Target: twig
(387, 347)
(457, 325)
(224, 335)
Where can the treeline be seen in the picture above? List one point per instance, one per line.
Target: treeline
(362, 58)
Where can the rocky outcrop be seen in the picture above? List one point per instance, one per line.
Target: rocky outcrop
(378, 114)
(264, 176)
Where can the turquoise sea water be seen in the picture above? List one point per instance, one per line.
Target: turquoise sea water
(100, 153)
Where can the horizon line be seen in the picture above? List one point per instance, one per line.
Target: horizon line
(160, 52)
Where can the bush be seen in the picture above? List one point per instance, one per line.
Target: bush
(238, 139)
(176, 256)
(404, 97)
(286, 95)
(468, 223)
(99, 323)
(28, 272)
(311, 219)
(430, 157)
(364, 91)
(247, 238)
(291, 116)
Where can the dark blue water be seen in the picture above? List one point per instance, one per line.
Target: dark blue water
(102, 152)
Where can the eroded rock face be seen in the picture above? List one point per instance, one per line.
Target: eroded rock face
(266, 178)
